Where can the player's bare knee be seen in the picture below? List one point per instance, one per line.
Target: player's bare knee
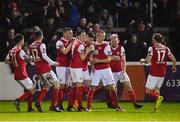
(109, 87)
(56, 85)
(148, 90)
(32, 90)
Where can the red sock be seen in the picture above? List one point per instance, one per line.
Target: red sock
(54, 98)
(132, 96)
(108, 98)
(90, 98)
(41, 95)
(61, 96)
(71, 93)
(79, 95)
(98, 90)
(114, 98)
(158, 93)
(25, 96)
(30, 100)
(85, 89)
(153, 94)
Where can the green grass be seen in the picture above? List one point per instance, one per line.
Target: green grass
(168, 112)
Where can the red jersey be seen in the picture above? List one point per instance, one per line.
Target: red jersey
(159, 55)
(77, 49)
(85, 62)
(116, 65)
(101, 52)
(42, 66)
(63, 60)
(16, 57)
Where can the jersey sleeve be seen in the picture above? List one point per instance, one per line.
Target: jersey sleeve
(107, 50)
(7, 57)
(122, 51)
(169, 51)
(59, 44)
(150, 51)
(44, 55)
(23, 55)
(81, 49)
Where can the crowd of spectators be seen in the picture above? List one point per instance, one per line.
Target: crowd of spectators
(27, 16)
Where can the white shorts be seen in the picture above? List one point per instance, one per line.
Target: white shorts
(26, 83)
(104, 75)
(50, 76)
(122, 76)
(77, 75)
(64, 75)
(86, 75)
(154, 82)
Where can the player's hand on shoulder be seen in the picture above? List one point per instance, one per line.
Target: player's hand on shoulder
(95, 60)
(56, 64)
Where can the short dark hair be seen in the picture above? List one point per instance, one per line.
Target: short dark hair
(18, 37)
(38, 34)
(158, 37)
(67, 29)
(80, 31)
(91, 34)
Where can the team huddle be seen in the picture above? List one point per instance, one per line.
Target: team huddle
(85, 64)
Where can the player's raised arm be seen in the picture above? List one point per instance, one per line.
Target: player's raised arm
(60, 45)
(85, 52)
(67, 38)
(44, 55)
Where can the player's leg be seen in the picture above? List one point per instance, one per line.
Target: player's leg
(27, 95)
(90, 96)
(54, 100)
(96, 77)
(77, 78)
(62, 77)
(110, 104)
(157, 90)
(42, 93)
(108, 82)
(150, 86)
(127, 83)
(87, 81)
(71, 90)
(114, 98)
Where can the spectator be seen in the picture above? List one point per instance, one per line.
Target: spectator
(31, 38)
(83, 25)
(7, 43)
(14, 20)
(134, 49)
(96, 28)
(124, 12)
(106, 21)
(92, 15)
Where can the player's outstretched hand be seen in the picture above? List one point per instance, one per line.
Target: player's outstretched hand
(174, 69)
(142, 60)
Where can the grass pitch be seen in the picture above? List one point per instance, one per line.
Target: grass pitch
(168, 112)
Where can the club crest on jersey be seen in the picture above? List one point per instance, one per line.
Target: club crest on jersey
(95, 52)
